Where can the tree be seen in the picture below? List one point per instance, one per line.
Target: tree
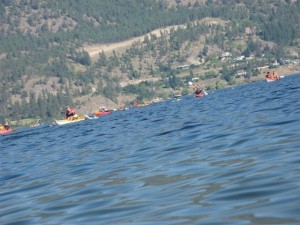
(102, 61)
(205, 50)
(227, 74)
(84, 58)
(247, 52)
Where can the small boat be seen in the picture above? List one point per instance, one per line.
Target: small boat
(270, 77)
(6, 131)
(66, 121)
(270, 80)
(273, 79)
(140, 104)
(99, 113)
(199, 95)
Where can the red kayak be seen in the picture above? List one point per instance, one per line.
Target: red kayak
(199, 95)
(102, 113)
(5, 131)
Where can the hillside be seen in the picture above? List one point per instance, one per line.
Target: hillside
(54, 54)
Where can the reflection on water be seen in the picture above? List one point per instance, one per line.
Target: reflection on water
(231, 157)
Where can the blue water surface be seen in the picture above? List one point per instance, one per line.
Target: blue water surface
(231, 157)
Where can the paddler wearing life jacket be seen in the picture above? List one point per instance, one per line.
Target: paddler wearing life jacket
(275, 76)
(268, 75)
(4, 127)
(198, 91)
(70, 113)
(102, 109)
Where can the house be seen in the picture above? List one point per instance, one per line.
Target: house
(250, 57)
(182, 67)
(226, 54)
(241, 73)
(275, 63)
(239, 58)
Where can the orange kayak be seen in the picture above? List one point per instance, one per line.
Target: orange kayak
(199, 95)
(102, 113)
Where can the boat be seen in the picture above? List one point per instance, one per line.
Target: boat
(272, 79)
(199, 95)
(73, 120)
(99, 113)
(202, 94)
(140, 104)
(6, 131)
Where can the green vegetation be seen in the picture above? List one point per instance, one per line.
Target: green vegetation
(43, 67)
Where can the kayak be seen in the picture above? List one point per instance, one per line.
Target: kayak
(199, 95)
(65, 121)
(96, 115)
(102, 113)
(140, 104)
(5, 131)
(271, 80)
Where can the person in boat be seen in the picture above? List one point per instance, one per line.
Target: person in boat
(102, 109)
(1, 127)
(4, 127)
(275, 76)
(272, 76)
(70, 113)
(268, 75)
(198, 91)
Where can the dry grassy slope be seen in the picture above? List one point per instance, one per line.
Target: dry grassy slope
(120, 47)
(90, 103)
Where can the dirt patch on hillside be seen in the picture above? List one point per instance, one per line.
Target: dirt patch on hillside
(89, 104)
(94, 49)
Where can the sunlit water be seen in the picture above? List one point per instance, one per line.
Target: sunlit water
(231, 157)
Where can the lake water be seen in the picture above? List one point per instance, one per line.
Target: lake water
(232, 157)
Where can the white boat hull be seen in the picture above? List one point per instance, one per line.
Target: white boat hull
(271, 80)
